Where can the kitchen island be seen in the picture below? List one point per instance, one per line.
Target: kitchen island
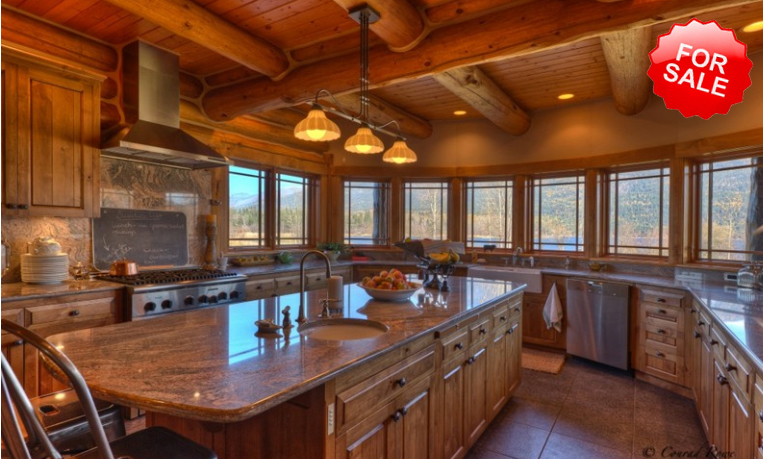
(210, 375)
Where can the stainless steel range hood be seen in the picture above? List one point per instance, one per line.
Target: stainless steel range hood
(151, 99)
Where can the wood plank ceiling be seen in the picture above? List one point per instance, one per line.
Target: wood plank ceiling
(547, 47)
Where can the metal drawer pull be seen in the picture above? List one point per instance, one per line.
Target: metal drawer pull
(722, 379)
(23, 206)
(693, 311)
(503, 318)
(713, 342)
(259, 287)
(661, 331)
(696, 334)
(74, 313)
(18, 343)
(730, 367)
(660, 354)
(662, 311)
(482, 331)
(396, 417)
(512, 329)
(459, 346)
(700, 323)
(11, 206)
(470, 360)
(402, 382)
(404, 411)
(661, 300)
(760, 415)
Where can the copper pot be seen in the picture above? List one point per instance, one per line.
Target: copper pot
(123, 268)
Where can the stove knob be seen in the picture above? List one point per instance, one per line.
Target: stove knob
(150, 306)
(202, 299)
(166, 304)
(222, 296)
(233, 295)
(188, 301)
(213, 299)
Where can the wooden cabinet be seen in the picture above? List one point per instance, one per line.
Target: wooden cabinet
(50, 139)
(49, 316)
(267, 285)
(758, 416)
(534, 330)
(13, 346)
(660, 334)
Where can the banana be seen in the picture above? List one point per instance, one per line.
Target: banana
(443, 257)
(453, 256)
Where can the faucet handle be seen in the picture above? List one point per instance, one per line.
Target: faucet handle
(326, 310)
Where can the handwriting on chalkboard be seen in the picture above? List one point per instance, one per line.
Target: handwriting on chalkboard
(148, 237)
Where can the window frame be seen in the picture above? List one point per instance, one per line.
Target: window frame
(694, 200)
(387, 186)
(509, 236)
(445, 186)
(532, 190)
(605, 191)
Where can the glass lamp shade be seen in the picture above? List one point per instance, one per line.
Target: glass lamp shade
(316, 127)
(399, 153)
(364, 142)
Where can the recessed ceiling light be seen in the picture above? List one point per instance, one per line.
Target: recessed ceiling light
(754, 27)
(565, 96)
(459, 112)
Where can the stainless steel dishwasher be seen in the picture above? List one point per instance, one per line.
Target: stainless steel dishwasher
(597, 321)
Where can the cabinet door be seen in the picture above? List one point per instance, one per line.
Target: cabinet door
(475, 399)
(741, 426)
(497, 394)
(374, 438)
(513, 357)
(707, 383)
(695, 383)
(452, 433)
(415, 431)
(12, 161)
(57, 131)
(13, 346)
(720, 416)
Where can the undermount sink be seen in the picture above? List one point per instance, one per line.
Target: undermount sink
(342, 329)
(531, 277)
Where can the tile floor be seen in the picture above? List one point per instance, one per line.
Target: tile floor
(590, 411)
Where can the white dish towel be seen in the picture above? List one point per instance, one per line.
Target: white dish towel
(552, 311)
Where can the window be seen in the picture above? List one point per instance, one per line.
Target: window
(558, 209)
(426, 210)
(488, 213)
(246, 202)
(638, 210)
(366, 213)
(292, 209)
(731, 209)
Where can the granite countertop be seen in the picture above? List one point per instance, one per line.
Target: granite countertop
(21, 291)
(211, 364)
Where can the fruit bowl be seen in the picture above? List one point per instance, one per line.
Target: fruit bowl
(391, 295)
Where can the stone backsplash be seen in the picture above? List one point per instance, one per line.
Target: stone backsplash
(124, 185)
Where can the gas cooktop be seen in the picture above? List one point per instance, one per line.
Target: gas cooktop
(168, 277)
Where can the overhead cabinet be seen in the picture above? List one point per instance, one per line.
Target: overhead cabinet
(50, 139)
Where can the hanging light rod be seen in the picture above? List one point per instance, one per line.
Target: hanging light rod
(357, 13)
(343, 114)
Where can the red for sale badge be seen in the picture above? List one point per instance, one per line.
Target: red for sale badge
(700, 69)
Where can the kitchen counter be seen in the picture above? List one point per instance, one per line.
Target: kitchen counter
(22, 291)
(212, 365)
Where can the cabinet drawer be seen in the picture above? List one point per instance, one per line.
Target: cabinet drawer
(501, 317)
(739, 370)
(667, 335)
(355, 403)
(12, 315)
(478, 332)
(455, 345)
(661, 298)
(515, 306)
(662, 361)
(287, 282)
(661, 312)
(315, 280)
(71, 312)
(259, 288)
(703, 323)
(717, 342)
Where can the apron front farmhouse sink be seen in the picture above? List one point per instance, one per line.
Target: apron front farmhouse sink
(342, 329)
(531, 277)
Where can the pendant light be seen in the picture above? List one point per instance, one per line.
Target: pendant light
(364, 142)
(399, 153)
(316, 127)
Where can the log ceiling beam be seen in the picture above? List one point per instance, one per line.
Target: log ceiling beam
(627, 56)
(381, 112)
(400, 25)
(475, 41)
(187, 19)
(475, 88)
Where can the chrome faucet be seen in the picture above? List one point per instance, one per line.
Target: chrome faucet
(301, 315)
(517, 253)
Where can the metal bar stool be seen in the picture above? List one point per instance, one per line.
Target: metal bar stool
(17, 411)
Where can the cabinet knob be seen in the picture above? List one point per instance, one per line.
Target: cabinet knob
(23, 206)
(396, 417)
(470, 360)
(661, 300)
(512, 329)
(18, 342)
(760, 415)
(11, 206)
(722, 379)
(404, 410)
(259, 287)
(660, 354)
(503, 318)
(693, 311)
(661, 331)
(459, 346)
(482, 331)
(696, 334)
(74, 313)
(401, 382)
(730, 367)
(700, 323)
(713, 342)
(662, 311)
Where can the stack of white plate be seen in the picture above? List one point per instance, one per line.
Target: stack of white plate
(44, 269)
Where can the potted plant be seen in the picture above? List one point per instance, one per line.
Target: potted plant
(331, 249)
